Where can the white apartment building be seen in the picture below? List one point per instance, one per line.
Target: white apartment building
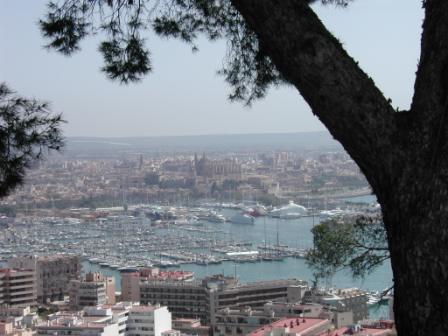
(121, 319)
(350, 299)
(117, 313)
(148, 321)
(75, 325)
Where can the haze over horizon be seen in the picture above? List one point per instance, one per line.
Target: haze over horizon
(198, 143)
(321, 131)
(183, 95)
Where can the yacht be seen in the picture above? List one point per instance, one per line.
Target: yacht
(242, 218)
(373, 298)
(290, 211)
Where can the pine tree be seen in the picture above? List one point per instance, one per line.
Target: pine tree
(28, 131)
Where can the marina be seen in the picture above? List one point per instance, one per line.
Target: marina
(269, 248)
(122, 241)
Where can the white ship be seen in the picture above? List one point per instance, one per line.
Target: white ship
(290, 211)
(242, 218)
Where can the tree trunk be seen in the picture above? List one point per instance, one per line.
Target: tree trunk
(416, 217)
(404, 156)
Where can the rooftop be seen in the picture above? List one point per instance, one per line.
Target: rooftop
(73, 321)
(362, 332)
(14, 270)
(84, 325)
(55, 257)
(278, 282)
(365, 328)
(169, 275)
(144, 308)
(294, 325)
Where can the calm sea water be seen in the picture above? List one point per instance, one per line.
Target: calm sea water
(294, 233)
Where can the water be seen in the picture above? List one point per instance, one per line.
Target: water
(294, 233)
(362, 199)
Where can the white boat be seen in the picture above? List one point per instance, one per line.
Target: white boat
(241, 218)
(326, 214)
(212, 216)
(290, 211)
(373, 298)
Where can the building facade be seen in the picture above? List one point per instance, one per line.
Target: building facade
(53, 274)
(131, 278)
(95, 290)
(17, 287)
(130, 286)
(343, 300)
(148, 321)
(122, 319)
(191, 327)
(202, 299)
(77, 326)
(205, 167)
(184, 299)
(117, 313)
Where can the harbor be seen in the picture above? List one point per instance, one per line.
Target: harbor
(167, 236)
(268, 249)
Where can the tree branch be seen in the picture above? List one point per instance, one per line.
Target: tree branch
(343, 97)
(433, 65)
(370, 248)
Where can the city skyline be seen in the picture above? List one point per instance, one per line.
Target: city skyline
(186, 97)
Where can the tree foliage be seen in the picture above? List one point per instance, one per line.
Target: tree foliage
(123, 23)
(27, 131)
(358, 244)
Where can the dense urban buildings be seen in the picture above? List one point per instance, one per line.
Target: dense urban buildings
(53, 273)
(109, 320)
(270, 177)
(350, 299)
(234, 322)
(201, 299)
(173, 303)
(294, 326)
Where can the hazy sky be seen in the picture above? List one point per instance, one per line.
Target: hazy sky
(183, 95)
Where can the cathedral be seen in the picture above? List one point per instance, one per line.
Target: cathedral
(205, 167)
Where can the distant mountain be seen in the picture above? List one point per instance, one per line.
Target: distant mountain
(269, 141)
